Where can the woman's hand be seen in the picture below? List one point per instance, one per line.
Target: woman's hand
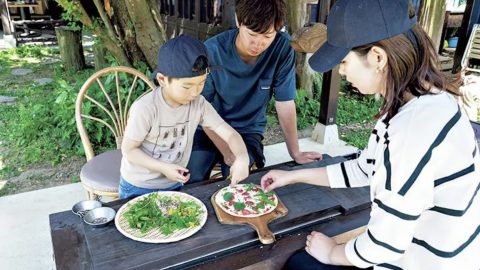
(275, 179)
(320, 247)
(175, 172)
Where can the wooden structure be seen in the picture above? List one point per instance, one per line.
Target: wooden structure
(8, 28)
(472, 51)
(471, 16)
(198, 18)
(22, 26)
(216, 245)
(100, 176)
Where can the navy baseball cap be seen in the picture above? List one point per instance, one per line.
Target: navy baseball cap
(177, 56)
(353, 23)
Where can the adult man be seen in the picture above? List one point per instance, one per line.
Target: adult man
(257, 62)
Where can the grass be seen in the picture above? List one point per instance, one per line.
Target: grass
(40, 126)
(355, 117)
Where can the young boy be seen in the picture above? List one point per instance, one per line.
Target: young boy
(158, 137)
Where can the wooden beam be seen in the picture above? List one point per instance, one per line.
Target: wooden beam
(331, 79)
(5, 16)
(329, 98)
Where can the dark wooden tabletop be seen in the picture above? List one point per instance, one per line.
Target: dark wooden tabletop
(79, 246)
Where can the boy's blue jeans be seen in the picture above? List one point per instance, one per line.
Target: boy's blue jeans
(127, 190)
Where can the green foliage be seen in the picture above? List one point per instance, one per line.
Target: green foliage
(356, 108)
(71, 13)
(308, 110)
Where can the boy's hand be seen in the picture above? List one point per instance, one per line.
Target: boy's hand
(239, 171)
(175, 172)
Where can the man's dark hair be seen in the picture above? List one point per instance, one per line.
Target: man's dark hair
(199, 68)
(260, 15)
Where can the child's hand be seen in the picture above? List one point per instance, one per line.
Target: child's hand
(239, 171)
(176, 172)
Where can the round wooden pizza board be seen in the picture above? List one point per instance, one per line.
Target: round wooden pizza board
(260, 224)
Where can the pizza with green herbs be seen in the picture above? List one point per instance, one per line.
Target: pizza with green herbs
(246, 200)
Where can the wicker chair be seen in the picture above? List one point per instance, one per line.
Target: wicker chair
(108, 108)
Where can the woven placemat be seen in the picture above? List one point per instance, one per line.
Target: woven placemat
(154, 235)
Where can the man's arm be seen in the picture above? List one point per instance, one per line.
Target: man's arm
(287, 117)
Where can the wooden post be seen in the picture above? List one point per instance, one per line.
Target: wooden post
(470, 17)
(70, 45)
(8, 30)
(326, 131)
(431, 17)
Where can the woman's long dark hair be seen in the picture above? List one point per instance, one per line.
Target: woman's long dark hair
(412, 67)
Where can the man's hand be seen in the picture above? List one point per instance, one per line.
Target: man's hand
(306, 157)
(320, 247)
(275, 179)
(239, 170)
(176, 172)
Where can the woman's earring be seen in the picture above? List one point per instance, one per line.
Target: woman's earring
(378, 70)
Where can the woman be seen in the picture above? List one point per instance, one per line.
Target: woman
(421, 157)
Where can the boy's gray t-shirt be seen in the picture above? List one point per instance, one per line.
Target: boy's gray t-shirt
(166, 134)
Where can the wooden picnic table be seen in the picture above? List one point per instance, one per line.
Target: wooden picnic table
(216, 246)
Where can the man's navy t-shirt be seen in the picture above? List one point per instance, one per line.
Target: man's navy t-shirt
(240, 92)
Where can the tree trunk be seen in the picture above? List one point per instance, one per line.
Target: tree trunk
(297, 18)
(125, 31)
(99, 53)
(70, 45)
(431, 17)
(149, 37)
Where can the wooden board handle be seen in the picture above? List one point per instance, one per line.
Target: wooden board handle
(264, 234)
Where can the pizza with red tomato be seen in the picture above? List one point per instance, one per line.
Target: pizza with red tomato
(246, 200)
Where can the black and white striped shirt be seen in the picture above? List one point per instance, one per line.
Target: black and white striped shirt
(423, 170)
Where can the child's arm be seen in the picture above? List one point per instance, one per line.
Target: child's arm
(132, 152)
(240, 167)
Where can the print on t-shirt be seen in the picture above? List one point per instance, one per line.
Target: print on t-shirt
(171, 143)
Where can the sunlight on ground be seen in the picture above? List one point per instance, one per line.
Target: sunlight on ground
(2, 184)
(32, 60)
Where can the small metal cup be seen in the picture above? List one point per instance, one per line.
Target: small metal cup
(99, 217)
(82, 207)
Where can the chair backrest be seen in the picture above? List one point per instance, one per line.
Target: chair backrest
(473, 50)
(106, 98)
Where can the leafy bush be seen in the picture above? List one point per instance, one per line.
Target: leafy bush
(356, 108)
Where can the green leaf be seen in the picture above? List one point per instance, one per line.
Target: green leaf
(228, 196)
(239, 206)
